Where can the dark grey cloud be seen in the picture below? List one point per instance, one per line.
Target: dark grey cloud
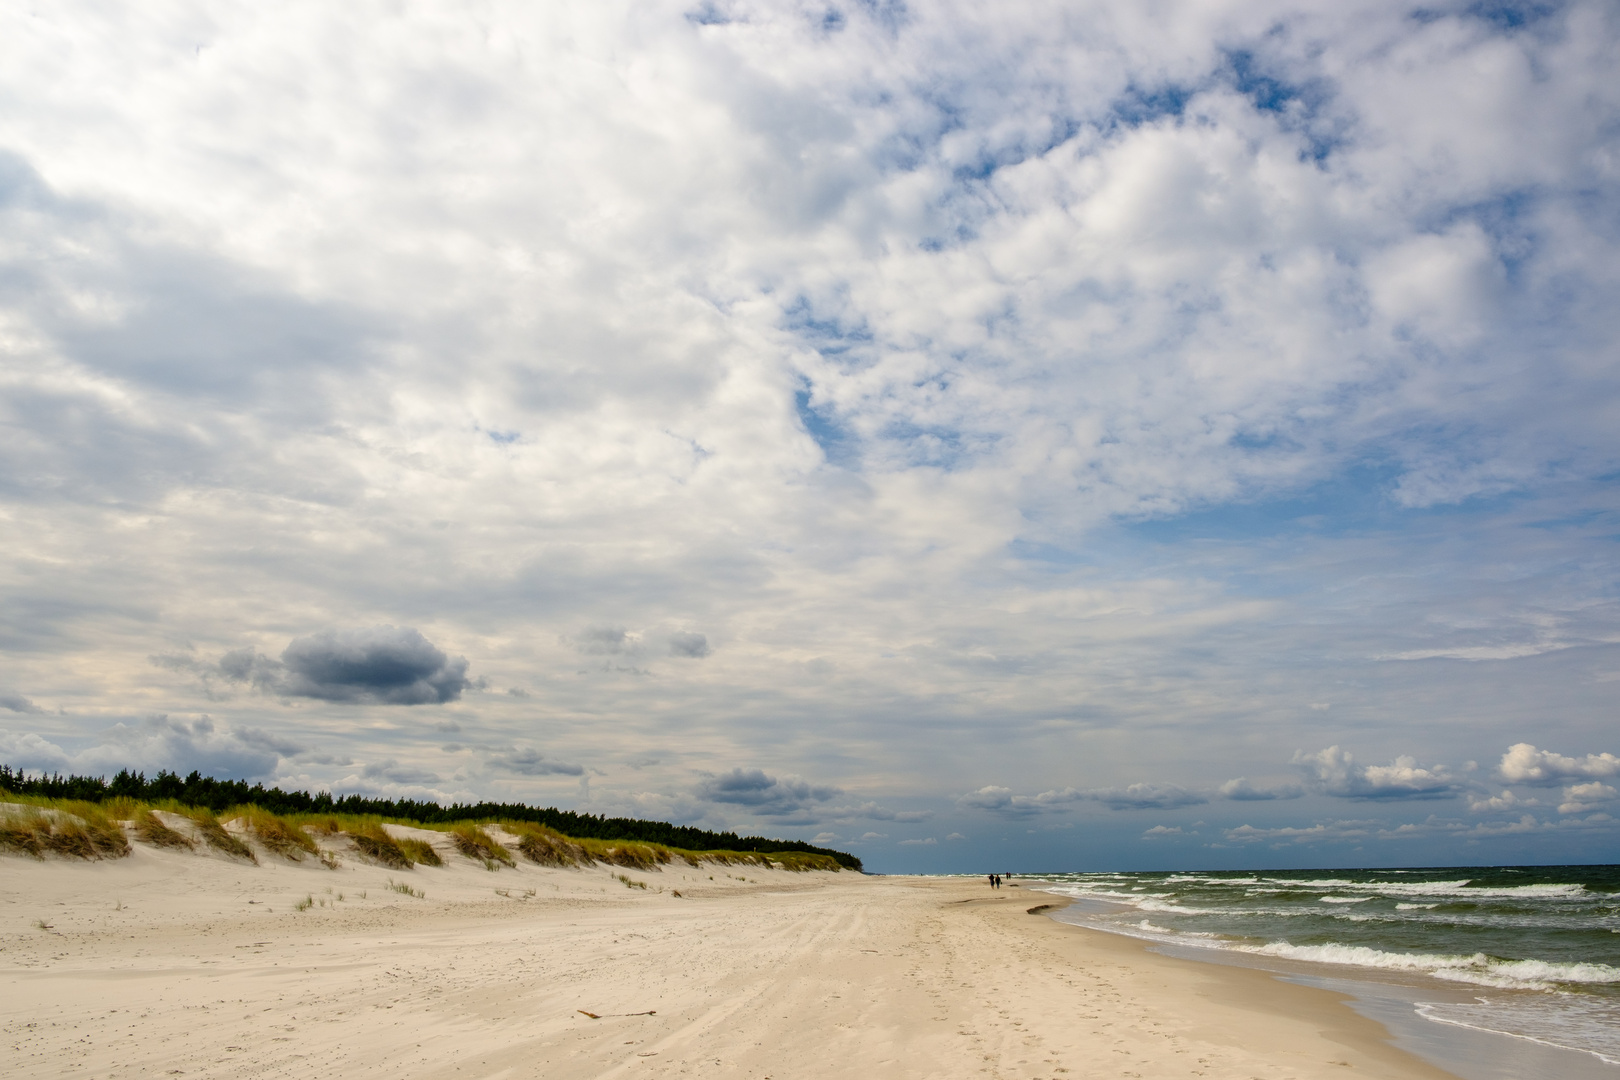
(17, 703)
(764, 794)
(268, 741)
(874, 812)
(390, 770)
(603, 641)
(1135, 797)
(1147, 797)
(690, 645)
(529, 762)
(379, 665)
(1243, 791)
(385, 665)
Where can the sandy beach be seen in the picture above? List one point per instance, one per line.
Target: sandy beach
(184, 964)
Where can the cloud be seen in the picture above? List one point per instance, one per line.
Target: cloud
(1135, 797)
(1496, 803)
(604, 641)
(1288, 834)
(1243, 791)
(955, 836)
(1005, 801)
(17, 703)
(1160, 831)
(393, 772)
(384, 665)
(1334, 772)
(379, 665)
(1148, 797)
(945, 397)
(1524, 764)
(927, 841)
(874, 812)
(689, 645)
(763, 794)
(529, 762)
(1583, 798)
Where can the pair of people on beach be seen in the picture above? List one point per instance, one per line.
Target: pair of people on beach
(995, 881)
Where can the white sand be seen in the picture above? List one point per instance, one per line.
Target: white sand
(196, 965)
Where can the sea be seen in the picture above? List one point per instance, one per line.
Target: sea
(1490, 972)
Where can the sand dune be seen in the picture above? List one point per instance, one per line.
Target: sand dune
(196, 964)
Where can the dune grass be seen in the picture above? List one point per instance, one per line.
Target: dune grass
(215, 836)
(39, 826)
(421, 852)
(372, 841)
(547, 847)
(628, 853)
(475, 843)
(278, 834)
(149, 829)
(77, 830)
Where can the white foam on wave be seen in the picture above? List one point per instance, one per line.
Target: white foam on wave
(1416, 907)
(1454, 887)
(1157, 902)
(1345, 899)
(1478, 969)
(1171, 908)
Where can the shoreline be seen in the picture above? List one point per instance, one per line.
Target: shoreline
(196, 965)
(1395, 1001)
(1259, 994)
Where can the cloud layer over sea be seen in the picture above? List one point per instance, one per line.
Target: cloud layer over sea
(1061, 431)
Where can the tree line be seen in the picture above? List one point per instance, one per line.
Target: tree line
(217, 795)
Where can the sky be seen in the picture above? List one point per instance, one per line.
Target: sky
(1019, 436)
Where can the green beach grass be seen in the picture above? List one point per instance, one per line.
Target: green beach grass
(38, 826)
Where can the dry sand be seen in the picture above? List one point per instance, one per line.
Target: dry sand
(168, 963)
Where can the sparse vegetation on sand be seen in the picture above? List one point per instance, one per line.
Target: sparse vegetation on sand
(405, 890)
